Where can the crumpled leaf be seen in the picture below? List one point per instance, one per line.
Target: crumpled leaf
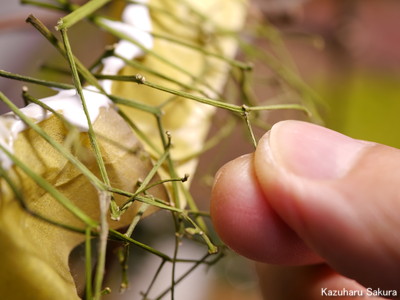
(33, 253)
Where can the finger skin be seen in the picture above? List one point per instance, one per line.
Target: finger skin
(266, 212)
(245, 221)
(352, 221)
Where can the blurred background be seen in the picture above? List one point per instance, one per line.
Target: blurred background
(347, 51)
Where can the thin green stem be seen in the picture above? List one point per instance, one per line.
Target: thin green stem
(77, 82)
(212, 249)
(31, 99)
(232, 62)
(153, 171)
(123, 255)
(88, 263)
(193, 207)
(141, 210)
(50, 189)
(21, 200)
(139, 132)
(135, 104)
(216, 103)
(171, 168)
(100, 22)
(104, 196)
(205, 100)
(195, 90)
(122, 237)
(115, 99)
(43, 5)
(177, 222)
(269, 32)
(80, 13)
(308, 95)
(186, 22)
(51, 84)
(146, 181)
(139, 66)
(60, 47)
(104, 200)
(67, 154)
(245, 115)
(160, 182)
(246, 91)
(145, 199)
(280, 106)
(183, 276)
(158, 271)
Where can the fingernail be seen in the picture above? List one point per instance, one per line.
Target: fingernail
(312, 151)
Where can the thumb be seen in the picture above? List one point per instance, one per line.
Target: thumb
(339, 195)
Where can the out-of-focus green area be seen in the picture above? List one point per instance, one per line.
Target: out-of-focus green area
(354, 67)
(364, 105)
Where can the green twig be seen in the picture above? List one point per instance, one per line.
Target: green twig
(123, 255)
(21, 200)
(80, 13)
(135, 104)
(79, 89)
(51, 84)
(183, 276)
(171, 168)
(31, 99)
(88, 263)
(157, 273)
(51, 190)
(196, 48)
(137, 65)
(287, 75)
(139, 132)
(59, 46)
(193, 207)
(104, 200)
(146, 199)
(149, 177)
(100, 22)
(122, 237)
(67, 154)
(104, 196)
(245, 115)
(138, 215)
(212, 249)
(43, 5)
(178, 226)
(216, 103)
(160, 182)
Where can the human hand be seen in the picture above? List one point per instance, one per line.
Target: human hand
(322, 204)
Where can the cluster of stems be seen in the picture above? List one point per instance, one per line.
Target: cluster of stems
(188, 220)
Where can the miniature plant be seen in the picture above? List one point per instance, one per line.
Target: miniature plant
(121, 139)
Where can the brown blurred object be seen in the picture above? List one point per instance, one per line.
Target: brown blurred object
(354, 33)
(280, 9)
(222, 290)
